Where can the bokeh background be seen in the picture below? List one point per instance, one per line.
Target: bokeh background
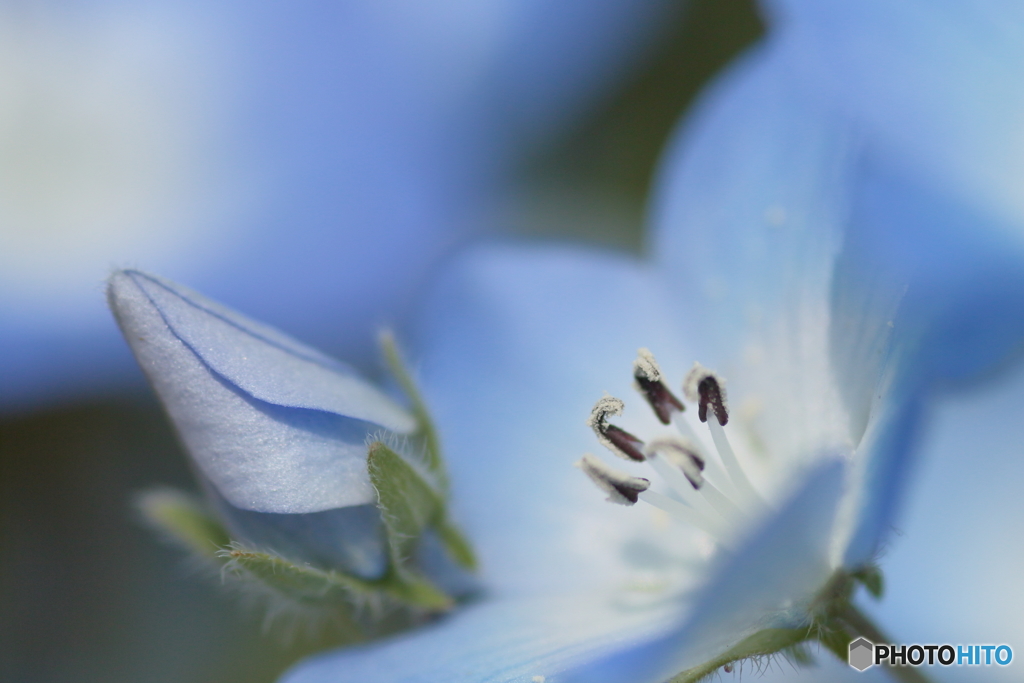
(312, 165)
(309, 167)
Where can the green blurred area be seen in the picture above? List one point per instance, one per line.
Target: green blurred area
(594, 184)
(87, 593)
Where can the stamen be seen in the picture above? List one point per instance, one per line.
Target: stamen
(704, 387)
(732, 463)
(683, 456)
(684, 513)
(680, 461)
(649, 383)
(714, 470)
(678, 482)
(617, 440)
(620, 487)
(722, 504)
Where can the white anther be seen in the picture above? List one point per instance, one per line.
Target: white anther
(617, 440)
(684, 458)
(645, 366)
(606, 406)
(681, 485)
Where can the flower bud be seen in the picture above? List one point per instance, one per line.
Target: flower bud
(277, 431)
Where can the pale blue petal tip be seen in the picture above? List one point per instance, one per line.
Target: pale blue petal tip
(890, 461)
(242, 426)
(265, 363)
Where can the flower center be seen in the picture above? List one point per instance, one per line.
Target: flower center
(704, 487)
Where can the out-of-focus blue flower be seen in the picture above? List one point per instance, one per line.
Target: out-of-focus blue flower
(935, 83)
(835, 288)
(324, 151)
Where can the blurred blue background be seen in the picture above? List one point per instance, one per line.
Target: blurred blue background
(293, 161)
(309, 165)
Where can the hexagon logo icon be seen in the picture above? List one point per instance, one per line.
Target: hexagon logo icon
(862, 654)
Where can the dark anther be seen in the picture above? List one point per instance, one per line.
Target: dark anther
(662, 401)
(681, 455)
(630, 489)
(625, 442)
(711, 393)
(620, 487)
(618, 440)
(695, 459)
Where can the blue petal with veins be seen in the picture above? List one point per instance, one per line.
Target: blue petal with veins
(271, 424)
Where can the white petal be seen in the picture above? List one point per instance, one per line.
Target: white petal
(261, 455)
(834, 287)
(778, 569)
(748, 219)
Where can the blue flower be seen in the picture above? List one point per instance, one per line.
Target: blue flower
(837, 291)
(934, 83)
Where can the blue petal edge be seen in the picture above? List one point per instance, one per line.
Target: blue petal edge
(265, 363)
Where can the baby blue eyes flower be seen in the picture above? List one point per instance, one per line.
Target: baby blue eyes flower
(816, 274)
(788, 257)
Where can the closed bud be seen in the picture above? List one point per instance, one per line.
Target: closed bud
(278, 432)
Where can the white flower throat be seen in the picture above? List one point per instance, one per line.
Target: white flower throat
(709, 491)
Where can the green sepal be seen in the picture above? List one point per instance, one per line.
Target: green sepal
(185, 520)
(456, 544)
(833, 621)
(764, 643)
(426, 432)
(304, 583)
(870, 576)
(410, 503)
(301, 583)
(433, 507)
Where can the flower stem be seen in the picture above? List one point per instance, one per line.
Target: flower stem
(861, 625)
